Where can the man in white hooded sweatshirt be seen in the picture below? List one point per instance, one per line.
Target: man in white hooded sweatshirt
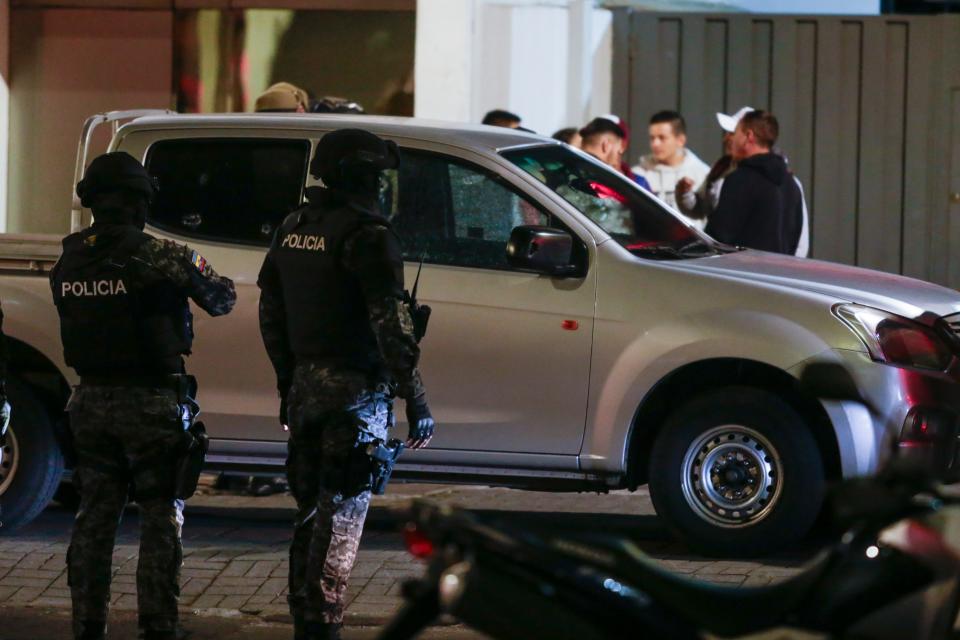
(669, 160)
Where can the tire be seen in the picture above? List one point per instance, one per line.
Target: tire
(767, 483)
(31, 463)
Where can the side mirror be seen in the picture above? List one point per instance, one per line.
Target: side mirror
(541, 249)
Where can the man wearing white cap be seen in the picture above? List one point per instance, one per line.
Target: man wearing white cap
(699, 203)
(760, 203)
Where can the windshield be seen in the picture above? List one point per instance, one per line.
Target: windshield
(631, 216)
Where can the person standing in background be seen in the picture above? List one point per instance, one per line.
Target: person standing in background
(699, 203)
(570, 135)
(760, 204)
(603, 139)
(669, 160)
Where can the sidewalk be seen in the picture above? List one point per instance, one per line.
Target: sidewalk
(235, 549)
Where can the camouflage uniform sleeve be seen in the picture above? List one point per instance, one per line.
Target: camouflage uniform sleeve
(190, 271)
(273, 323)
(373, 255)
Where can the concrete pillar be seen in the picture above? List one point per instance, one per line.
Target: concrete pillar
(579, 88)
(445, 59)
(547, 60)
(4, 109)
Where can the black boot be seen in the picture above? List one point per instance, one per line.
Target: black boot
(322, 630)
(153, 628)
(91, 630)
(299, 628)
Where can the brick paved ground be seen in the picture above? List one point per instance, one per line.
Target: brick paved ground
(236, 551)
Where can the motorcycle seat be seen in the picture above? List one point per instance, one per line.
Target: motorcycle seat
(724, 611)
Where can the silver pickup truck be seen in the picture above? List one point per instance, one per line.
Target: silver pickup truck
(583, 336)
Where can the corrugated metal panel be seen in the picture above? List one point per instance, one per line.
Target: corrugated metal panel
(863, 104)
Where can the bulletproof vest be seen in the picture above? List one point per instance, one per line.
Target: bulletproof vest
(327, 316)
(112, 324)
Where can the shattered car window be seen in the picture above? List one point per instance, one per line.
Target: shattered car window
(629, 215)
(447, 211)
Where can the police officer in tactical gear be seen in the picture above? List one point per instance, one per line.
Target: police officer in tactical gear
(125, 323)
(341, 339)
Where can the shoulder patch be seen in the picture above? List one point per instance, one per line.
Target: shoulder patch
(198, 261)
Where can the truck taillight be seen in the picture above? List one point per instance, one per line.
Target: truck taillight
(924, 425)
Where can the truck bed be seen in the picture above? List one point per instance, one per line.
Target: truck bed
(28, 252)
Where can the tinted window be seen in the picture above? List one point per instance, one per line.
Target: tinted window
(450, 212)
(228, 190)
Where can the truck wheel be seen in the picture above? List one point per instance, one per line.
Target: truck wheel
(31, 462)
(737, 472)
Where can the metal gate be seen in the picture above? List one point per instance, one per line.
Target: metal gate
(868, 111)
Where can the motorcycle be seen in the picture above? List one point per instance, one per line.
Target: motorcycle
(892, 574)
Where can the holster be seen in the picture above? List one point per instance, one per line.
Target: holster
(383, 456)
(190, 461)
(196, 443)
(369, 467)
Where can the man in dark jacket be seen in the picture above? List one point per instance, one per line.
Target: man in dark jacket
(341, 339)
(122, 296)
(760, 205)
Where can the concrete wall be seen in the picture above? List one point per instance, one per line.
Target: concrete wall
(67, 65)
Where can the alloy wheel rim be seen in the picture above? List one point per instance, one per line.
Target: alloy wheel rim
(732, 476)
(9, 460)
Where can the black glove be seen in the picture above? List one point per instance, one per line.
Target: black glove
(420, 422)
(283, 388)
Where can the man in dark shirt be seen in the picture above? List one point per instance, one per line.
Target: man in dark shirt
(760, 205)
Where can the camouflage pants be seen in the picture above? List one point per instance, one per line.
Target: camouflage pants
(329, 410)
(125, 435)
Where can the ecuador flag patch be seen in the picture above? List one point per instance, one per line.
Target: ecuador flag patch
(198, 261)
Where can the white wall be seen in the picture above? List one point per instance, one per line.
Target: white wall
(546, 60)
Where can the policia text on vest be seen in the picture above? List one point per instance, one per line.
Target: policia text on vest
(309, 243)
(93, 288)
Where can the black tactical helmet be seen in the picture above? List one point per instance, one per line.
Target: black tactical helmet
(352, 151)
(117, 171)
(333, 104)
